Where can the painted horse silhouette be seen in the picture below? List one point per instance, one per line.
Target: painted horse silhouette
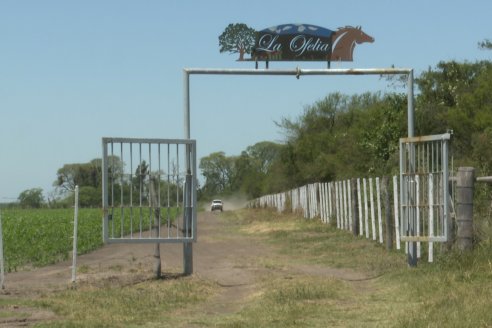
(344, 41)
(305, 42)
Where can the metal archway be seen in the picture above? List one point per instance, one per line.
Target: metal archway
(298, 72)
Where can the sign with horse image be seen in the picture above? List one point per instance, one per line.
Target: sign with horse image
(305, 42)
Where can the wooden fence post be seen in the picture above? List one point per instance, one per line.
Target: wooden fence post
(355, 208)
(464, 209)
(156, 225)
(387, 213)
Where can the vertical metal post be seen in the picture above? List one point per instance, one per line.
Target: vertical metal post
(194, 191)
(2, 268)
(412, 247)
(75, 225)
(448, 223)
(105, 225)
(410, 112)
(187, 246)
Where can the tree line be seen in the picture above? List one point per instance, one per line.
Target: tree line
(337, 137)
(342, 136)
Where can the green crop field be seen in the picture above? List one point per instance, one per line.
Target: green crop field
(39, 237)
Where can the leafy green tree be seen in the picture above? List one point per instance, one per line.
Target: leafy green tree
(443, 85)
(264, 154)
(456, 96)
(237, 38)
(326, 141)
(81, 174)
(85, 175)
(379, 130)
(218, 171)
(31, 198)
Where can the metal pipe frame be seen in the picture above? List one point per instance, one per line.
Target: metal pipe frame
(189, 200)
(297, 72)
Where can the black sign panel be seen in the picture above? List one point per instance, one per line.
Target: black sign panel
(293, 42)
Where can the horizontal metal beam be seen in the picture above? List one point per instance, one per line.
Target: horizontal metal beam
(437, 137)
(298, 71)
(107, 140)
(150, 240)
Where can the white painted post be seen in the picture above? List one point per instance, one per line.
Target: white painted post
(344, 204)
(75, 224)
(366, 209)
(397, 217)
(337, 197)
(312, 203)
(361, 226)
(431, 217)
(301, 201)
(342, 208)
(305, 201)
(325, 200)
(308, 201)
(325, 203)
(349, 204)
(373, 216)
(315, 200)
(380, 221)
(330, 205)
(2, 268)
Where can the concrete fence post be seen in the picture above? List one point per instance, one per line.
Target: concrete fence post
(355, 208)
(464, 209)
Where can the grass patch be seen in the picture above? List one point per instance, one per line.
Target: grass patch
(454, 291)
(313, 301)
(142, 304)
(312, 242)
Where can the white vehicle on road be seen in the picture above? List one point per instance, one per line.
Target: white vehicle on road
(216, 205)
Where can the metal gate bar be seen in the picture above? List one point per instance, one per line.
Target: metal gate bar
(149, 190)
(424, 188)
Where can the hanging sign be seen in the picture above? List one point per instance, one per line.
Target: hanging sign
(305, 42)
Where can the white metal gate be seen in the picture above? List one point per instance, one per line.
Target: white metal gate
(424, 197)
(149, 190)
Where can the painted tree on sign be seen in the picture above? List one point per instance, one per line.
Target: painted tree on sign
(237, 38)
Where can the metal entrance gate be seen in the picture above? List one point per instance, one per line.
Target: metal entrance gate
(424, 197)
(149, 190)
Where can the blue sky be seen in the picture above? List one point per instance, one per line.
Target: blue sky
(72, 72)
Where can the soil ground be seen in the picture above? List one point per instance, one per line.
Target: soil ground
(232, 261)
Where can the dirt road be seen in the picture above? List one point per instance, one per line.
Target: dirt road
(232, 261)
(214, 257)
